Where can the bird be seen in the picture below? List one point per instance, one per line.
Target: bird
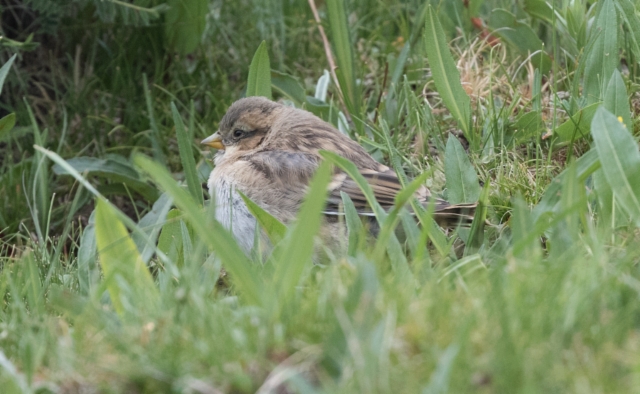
(270, 151)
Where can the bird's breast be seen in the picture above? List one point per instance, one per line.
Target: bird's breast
(231, 211)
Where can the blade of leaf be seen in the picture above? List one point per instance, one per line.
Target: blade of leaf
(341, 40)
(272, 226)
(616, 99)
(128, 279)
(393, 246)
(4, 70)
(73, 172)
(476, 233)
(620, 159)
(354, 224)
(445, 73)
(6, 124)
(151, 224)
(603, 57)
(217, 237)
(462, 181)
(115, 170)
(299, 248)
(186, 155)
(288, 86)
(259, 80)
(155, 132)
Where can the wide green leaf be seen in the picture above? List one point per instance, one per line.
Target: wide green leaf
(112, 168)
(127, 278)
(576, 127)
(445, 73)
(539, 9)
(616, 99)
(602, 58)
(288, 86)
(259, 81)
(610, 214)
(620, 159)
(462, 181)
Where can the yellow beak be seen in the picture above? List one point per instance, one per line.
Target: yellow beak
(214, 141)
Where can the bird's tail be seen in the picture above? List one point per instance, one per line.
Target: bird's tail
(453, 215)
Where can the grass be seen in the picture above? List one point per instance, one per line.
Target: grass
(545, 299)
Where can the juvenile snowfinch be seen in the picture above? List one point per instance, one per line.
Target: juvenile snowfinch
(270, 152)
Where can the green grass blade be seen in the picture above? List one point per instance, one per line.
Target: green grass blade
(4, 70)
(462, 180)
(272, 226)
(40, 177)
(243, 272)
(170, 239)
(87, 257)
(476, 233)
(34, 288)
(342, 45)
(445, 73)
(186, 155)
(299, 248)
(127, 278)
(355, 228)
(155, 131)
(394, 249)
(6, 125)
(259, 80)
(151, 224)
(620, 159)
(351, 170)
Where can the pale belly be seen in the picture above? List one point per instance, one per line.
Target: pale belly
(232, 213)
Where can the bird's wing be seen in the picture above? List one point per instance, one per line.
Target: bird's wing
(385, 185)
(294, 170)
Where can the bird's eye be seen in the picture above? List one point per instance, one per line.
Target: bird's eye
(237, 133)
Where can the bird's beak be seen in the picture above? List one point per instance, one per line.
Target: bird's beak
(214, 141)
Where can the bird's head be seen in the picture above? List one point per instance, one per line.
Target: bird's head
(245, 125)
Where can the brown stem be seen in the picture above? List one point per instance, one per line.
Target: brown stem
(327, 50)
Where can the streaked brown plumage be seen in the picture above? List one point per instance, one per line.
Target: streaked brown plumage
(269, 152)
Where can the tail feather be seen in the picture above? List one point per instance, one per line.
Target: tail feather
(452, 215)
